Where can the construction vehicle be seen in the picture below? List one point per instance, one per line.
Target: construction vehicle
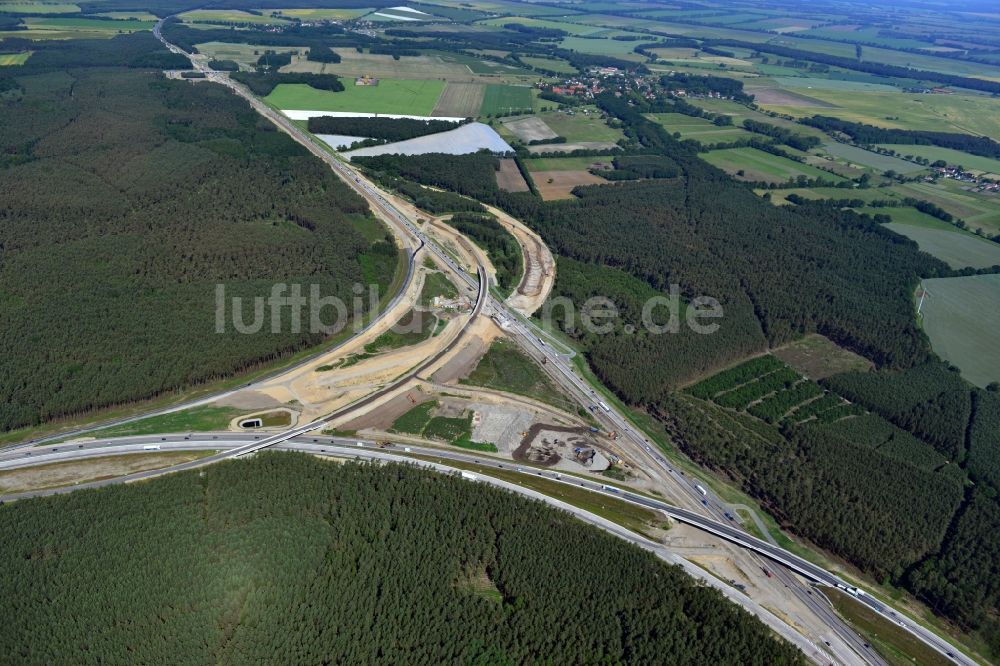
(766, 572)
(613, 434)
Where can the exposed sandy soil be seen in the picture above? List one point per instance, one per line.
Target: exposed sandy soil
(563, 183)
(467, 252)
(539, 266)
(313, 393)
(82, 471)
(390, 410)
(570, 147)
(509, 177)
(530, 129)
(729, 563)
(463, 360)
(248, 400)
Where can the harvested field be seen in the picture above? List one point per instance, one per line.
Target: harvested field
(570, 147)
(530, 129)
(509, 177)
(559, 184)
(779, 97)
(460, 100)
(817, 357)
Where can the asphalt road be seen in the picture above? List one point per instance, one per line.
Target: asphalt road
(231, 444)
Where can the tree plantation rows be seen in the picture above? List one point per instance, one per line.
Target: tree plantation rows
(127, 200)
(920, 469)
(288, 559)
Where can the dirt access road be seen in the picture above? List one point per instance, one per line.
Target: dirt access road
(539, 265)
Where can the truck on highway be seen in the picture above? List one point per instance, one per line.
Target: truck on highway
(604, 406)
(470, 476)
(701, 489)
(151, 447)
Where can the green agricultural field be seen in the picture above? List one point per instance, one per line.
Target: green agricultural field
(9, 59)
(698, 129)
(609, 47)
(952, 157)
(563, 163)
(973, 114)
(244, 54)
(866, 158)
(86, 25)
(39, 8)
(121, 16)
(571, 28)
(955, 247)
(229, 16)
(811, 83)
(427, 66)
(961, 318)
(502, 99)
(778, 197)
(478, 66)
(739, 113)
(318, 14)
(979, 210)
(892, 57)
(758, 165)
(406, 96)
(580, 126)
(551, 64)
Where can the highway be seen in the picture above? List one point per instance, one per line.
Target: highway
(230, 445)
(526, 335)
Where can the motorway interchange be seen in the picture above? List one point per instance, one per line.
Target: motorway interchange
(691, 503)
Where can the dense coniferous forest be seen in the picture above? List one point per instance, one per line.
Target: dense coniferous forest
(907, 492)
(262, 83)
(869, 134)
(126, 198)
(777, 272)
(877, 68)
(501, 247)
(386, 129)
(288, 559)
(888, 490)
